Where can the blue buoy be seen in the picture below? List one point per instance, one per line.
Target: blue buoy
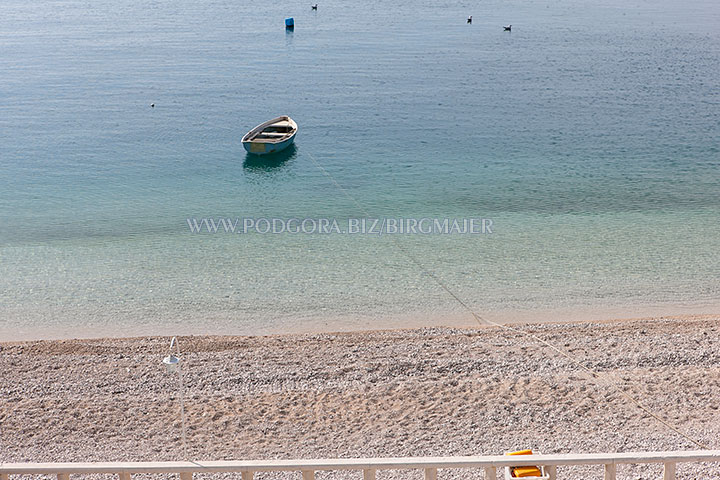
(290, 23)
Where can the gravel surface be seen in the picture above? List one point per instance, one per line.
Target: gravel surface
(426, 392)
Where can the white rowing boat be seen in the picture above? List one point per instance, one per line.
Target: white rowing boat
(270, 137)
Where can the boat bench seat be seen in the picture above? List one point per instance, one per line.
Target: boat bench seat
(272, 135)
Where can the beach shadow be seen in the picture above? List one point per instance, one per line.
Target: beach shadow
(270, 162)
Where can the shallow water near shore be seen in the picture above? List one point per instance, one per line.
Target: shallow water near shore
(588, 135)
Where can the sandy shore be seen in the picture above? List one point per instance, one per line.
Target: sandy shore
(435, 391)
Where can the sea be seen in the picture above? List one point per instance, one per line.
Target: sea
(587, 140)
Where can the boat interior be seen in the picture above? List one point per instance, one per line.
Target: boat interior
(273, 132)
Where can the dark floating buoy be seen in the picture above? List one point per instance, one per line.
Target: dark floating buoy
(314, 7)
(507, 28)
(152, 105)
(470, 19)
(290, 23)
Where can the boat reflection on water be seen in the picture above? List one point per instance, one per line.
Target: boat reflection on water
(270, 161)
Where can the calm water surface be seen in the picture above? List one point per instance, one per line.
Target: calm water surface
(590, 135)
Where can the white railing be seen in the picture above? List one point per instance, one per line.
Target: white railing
(368, 466)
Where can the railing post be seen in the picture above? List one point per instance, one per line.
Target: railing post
(431, 474)
(308, 475)
(669, 471)
(552, 471)
(369, 474)
(186, 476)
(247, 475)
(123, 476)
(63, 476)
(490, 473)
(610, 471)
(4, 476)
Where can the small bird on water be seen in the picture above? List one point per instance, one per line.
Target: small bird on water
(314, 7)
(507, 28)
(152, 105)
(470, 19)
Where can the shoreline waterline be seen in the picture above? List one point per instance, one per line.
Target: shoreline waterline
(350, 325)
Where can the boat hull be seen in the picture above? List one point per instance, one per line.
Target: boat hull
(263, 148)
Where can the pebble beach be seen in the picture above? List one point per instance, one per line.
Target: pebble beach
(423, 392)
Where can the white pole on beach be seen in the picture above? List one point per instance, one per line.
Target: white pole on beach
(172, 364)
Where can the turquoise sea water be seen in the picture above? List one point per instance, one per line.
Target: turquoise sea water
(590, 135)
